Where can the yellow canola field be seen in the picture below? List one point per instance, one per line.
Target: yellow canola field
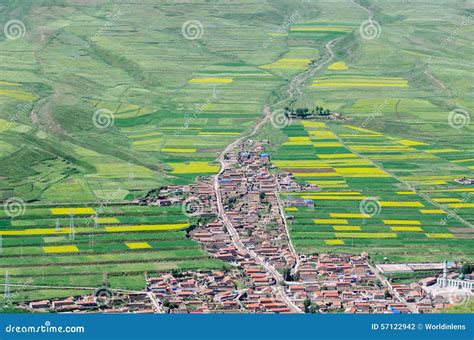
(338, 66)
(72, 211)
(346, 228)
(138, 245)
(106, 220)
(334, 242)
(60, 249)
(315, 125)
(330, 221)
(359, 81)
(441, 150)
(401, 222)
(440, 235)
(193, 167)
(397, 204)
(20, 95)
(461, 205)
(432, 211)
(359, 129)
(406, 228)
(361, 172)
(408, 142)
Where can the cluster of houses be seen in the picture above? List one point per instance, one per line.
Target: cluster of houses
(230, 291)
(124, 302)
(248, 190)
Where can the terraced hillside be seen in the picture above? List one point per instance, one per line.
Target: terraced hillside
(101, 102)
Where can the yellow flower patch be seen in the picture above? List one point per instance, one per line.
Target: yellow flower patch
(408, 142)
(138, 245)
(397, 204)
(289, 63)
(193, 167)
(105, 220)
(330, 221)
(291, 209)
(461, 205)
(346, 228)
(441, 150)
(432, 211)
(446, 200)
(60, 249)
(338, 66)
(72, 211)
(315, 125)
(327, 144)
(334, 242)
(406, 193)
(440, 235)
(406, 228)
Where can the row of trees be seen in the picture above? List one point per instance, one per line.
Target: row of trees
(305, 112)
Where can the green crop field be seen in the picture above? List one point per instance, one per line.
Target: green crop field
(102, 102)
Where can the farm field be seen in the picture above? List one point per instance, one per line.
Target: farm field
(101, 103)
(374, 195)
(85, 247)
